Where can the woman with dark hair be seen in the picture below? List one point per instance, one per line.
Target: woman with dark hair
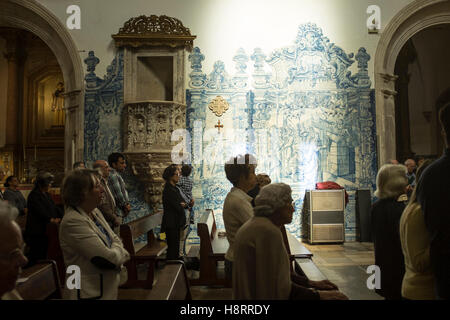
(174, 217)
(14, 196)
(237, 207)
(41, 211)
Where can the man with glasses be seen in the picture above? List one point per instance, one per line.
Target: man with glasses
(11, 252)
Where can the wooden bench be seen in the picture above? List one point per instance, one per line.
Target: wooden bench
(145, 252)
(212, 250)
(54, 251)
(40, 282)
(171, 284)
(301, 257)
(294, 247)
(307, 268)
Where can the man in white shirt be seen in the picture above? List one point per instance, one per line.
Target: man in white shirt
(237, 208)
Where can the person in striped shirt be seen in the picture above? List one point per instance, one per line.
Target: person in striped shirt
(117, 185)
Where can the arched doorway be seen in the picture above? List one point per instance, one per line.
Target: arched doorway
(35, 18)
(417, 16)
(422, 89)
(443, 99)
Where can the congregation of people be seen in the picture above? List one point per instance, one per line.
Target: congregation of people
(410, 226)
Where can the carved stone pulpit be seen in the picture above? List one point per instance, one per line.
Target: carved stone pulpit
(154, 95)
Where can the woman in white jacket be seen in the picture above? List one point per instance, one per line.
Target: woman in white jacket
(87, 240)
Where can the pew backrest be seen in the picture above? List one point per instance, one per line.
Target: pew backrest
(206, 228)
(142, 252)
(131, 231)
(40, 282)
(293, 247)
(172, 283)
(54, 251)
(309, 269)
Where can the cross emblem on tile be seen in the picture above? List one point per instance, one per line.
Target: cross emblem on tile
(218, 126)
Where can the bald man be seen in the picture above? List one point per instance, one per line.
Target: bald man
(11, 252)
(107, 205)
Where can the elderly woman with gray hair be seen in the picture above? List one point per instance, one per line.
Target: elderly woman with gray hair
(261, 269)
(385, 215)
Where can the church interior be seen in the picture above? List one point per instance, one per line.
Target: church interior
(318, 91)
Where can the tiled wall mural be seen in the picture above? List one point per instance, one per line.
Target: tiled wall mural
(103, 124)
(301, 111)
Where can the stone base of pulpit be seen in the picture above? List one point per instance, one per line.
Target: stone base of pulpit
(148, 145)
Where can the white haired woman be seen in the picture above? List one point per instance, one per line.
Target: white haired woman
(261, 266)
(87, 240)
(385, 215)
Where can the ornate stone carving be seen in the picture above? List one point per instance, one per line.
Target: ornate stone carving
(154, 31)
(219, 78)
(147, 142)
(198, 78)
(218, 106)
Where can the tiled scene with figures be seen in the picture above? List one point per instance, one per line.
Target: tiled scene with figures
(301, 112)
(224, 150)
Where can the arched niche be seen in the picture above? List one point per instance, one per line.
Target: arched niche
(33, 17)
(412, 19)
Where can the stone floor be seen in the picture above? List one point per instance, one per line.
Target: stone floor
(343, 264)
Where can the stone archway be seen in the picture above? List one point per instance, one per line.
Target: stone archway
(35, 18)
(412, 19)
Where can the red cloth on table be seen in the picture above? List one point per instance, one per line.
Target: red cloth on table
(330, 185)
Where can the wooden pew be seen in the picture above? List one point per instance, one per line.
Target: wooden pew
(40, 282)
(294, 247)
(54, 251)
(307, 268)
(171, 284)
(146, 252)
(212, 250)
(301, 257)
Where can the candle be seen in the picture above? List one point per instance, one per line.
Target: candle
(35, 153)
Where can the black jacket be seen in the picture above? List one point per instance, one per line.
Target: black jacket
(41, 209)
(174, 215)
(385, 214)
(433, 191)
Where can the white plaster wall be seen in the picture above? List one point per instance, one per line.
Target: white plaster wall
(223, 26)
(3, 92)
